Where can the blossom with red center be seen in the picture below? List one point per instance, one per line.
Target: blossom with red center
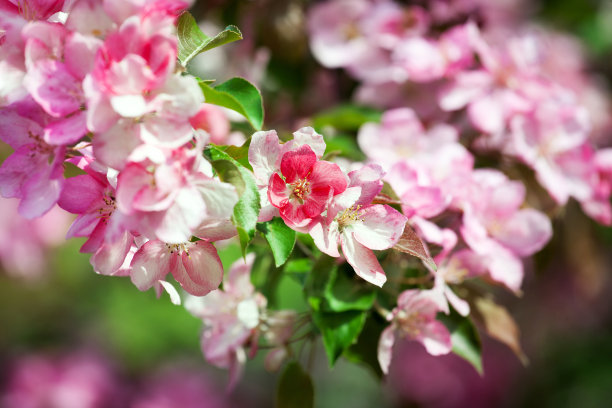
(304, 186)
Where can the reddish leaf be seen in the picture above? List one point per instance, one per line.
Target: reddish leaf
(500, 325)
(382, 198)
(410, 243)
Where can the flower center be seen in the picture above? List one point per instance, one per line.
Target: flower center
(349, 216)
(178, 248)
(410, 323)
(301, 189)
(109, 206)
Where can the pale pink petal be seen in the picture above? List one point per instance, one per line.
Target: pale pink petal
(200, 270)
(369, 178)
(178, 222)
(111, 255)
(461, 306)
(426, 202)
(306, 136)
(381, 227)
(150, 264)
(264, 153)
(114, 146)
(526, 232)
(325, 237)
(129, 106)
(79, 53)
(214, 229)
(487, 114)
(436, 338)
(54, 88)
(385, 348)
(220, 198)
(238, 281)
(362, 260)
(466, 87)
(175, 298)
(507, 269)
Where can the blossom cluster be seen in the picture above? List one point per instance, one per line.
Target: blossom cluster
(462, 82)
(95, 86)
(105, 123)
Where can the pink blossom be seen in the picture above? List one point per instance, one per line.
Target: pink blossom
(171, 200)
(359, 227)
(495, 226)
(509, 82)
(265, 154)
(552, 140)
(92, 197)
(74, 381)
(305, 186)
(195, 265)
(213, 120)
(231, 317)
(34, 172)
(414, 318)
(133, 79)
(234, 319)
(337, 40)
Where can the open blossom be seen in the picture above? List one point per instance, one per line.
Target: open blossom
(304, 185)
(352, 222)
(133, 94)
(233, 319)
(195, 265)
(495, 226)
(265, 154)
(34, 172)
(92, 197)
(172, 199)
(414, 318)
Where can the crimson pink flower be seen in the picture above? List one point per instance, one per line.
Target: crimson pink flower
(306, 185)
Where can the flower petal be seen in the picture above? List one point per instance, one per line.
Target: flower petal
(362, 260)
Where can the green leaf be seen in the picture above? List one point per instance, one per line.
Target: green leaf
(344, 292)
(247, 208)
(317, 280)
(280, 237)
(192, 41)
(364, 351)
(344, 145)
(298, 269)
(239, 95)
(240, 153)
(347, 117)
(465, 338)
(295, 389)
(339, 330)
